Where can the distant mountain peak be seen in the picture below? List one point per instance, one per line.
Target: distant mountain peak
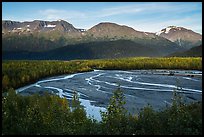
(116, 31)
(182, 36)
(106, 24)
(168, 29)
(171, 29)
(37, 26)
(104, 31)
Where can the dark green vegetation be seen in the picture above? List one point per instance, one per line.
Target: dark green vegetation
(19, 73)
(49, 114)
(30, 42)
(193, 52)
(66, 34)
(91, 50)
(34, 40)
(187, 44)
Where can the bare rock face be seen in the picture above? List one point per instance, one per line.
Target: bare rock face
(113, 30)
(40, 36)
(183, 37)
(38, 26)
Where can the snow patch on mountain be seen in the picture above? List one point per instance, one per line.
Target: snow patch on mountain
(159, 32)
(167, 30)
(50, 26)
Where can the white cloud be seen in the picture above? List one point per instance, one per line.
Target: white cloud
(146, 8)
(150, 17)
(133, 8)
(53, 14)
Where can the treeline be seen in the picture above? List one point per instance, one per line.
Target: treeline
(192, 52)
(31, 42)
(16, 74)
(48, 114)
(19, 73)
(188, 63)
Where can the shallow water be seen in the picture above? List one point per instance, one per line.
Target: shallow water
(141, 87)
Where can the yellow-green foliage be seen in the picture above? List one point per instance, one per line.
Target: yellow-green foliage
(50, 114)
(20, 73)
(149, 63)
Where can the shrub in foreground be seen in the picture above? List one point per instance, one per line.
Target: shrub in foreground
(50, 114)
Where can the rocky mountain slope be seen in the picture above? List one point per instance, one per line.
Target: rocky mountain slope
(47, 37)
(183, 37)
(114, 31)
(37, 26)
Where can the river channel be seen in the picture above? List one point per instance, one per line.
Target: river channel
(140, 87)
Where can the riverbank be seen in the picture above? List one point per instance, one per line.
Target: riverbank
(16, 74)
(51, 115)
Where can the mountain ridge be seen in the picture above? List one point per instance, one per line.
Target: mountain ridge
(42, 36)
(182, 36)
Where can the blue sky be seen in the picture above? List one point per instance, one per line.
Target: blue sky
(142, 16)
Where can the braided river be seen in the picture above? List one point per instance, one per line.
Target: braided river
(140, 87)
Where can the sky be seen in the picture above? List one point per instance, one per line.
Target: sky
(142, 16)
